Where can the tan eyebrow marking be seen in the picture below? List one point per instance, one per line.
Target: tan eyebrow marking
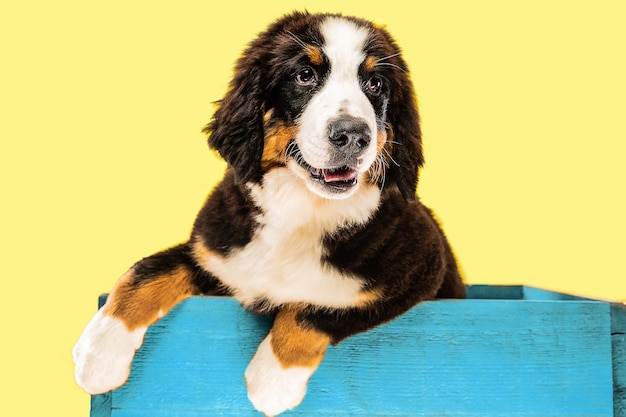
(370, 63)
(315, 54)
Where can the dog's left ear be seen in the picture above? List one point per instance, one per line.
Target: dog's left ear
(406, 135)
(236, 130)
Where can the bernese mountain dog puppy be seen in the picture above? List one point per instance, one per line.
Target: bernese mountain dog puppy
(316, 219)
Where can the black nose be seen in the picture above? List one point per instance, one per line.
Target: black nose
(351, 135)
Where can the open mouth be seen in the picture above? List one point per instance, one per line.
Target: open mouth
(334, 179)
(343, 177)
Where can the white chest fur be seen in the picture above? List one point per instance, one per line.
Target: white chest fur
(283, 261)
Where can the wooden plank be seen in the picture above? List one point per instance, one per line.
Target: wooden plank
(618, 338)
(495, 292)
(474, 358)
(101, 405)
(538, 294)
(194, 358)
(517, 292)
(454, 357)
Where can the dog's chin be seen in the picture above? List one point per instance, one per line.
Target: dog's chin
(331, 183)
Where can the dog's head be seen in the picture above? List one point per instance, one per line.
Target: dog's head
(328, 97)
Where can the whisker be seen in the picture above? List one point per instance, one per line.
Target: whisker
(391, 157)
(378, 171)
(382, 181)
(378, 167)
(387, 57)
(389, 64)
(296, 39)
(292, 151)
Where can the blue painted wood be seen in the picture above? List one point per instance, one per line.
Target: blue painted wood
(497, 353)
(101, 405)
(489, 292)
(517, 292)
(618, 338)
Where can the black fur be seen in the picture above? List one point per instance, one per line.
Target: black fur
(402, 249)
(226, 222)
(236, 130)
(402, 115)
(237, 126)
(154, 267)
(409, 259)
(260, 85)
(367, 264)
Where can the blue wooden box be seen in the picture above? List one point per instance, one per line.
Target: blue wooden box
(504, 351)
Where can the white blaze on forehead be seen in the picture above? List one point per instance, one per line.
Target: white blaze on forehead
(344, 44)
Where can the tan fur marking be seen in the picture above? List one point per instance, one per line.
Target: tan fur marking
(315, 55)
(294, 345)
(276, 141)
(381, 140)
(200, 252)
(143, 304)
(368, 297)
(384, 146)
(370, 63)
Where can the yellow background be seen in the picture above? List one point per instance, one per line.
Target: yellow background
(102, 160)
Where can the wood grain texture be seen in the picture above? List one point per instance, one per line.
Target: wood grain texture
(618, 338)
(498, 353)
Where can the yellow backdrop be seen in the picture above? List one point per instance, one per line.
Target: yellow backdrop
(102, 160)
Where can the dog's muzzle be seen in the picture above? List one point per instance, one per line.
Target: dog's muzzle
(336, 176)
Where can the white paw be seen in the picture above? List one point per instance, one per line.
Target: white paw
(104, 353)
(273, 389)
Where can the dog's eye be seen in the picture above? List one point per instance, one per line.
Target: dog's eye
(306, 76)
(374, 85)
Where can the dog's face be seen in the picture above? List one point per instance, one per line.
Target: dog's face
(340, 122)
(329, 98)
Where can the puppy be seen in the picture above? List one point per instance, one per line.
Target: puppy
(316, 219)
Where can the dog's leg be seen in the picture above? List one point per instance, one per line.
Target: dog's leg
(105, 350)
(278, 374)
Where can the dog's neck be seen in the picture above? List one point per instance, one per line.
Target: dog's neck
(286, 200)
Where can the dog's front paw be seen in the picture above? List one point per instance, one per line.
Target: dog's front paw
(273, 388)
(104, 353)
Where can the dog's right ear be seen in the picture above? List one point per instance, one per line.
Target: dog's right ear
(236, 130)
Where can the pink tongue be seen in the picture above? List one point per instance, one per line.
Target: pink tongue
(343, 174)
